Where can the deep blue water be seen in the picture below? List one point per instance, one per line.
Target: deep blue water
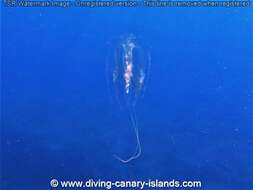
(195, 118)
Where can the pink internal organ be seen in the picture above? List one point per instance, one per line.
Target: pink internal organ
(128, 75)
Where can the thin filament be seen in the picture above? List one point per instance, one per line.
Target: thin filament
(137, 152)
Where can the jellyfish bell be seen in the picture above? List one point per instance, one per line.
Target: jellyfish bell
(128, 67)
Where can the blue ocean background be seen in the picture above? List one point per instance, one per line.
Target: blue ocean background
(195, 117)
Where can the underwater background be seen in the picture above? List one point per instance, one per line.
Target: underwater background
(195, 116)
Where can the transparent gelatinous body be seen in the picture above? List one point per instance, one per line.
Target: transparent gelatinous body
(127, 73)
